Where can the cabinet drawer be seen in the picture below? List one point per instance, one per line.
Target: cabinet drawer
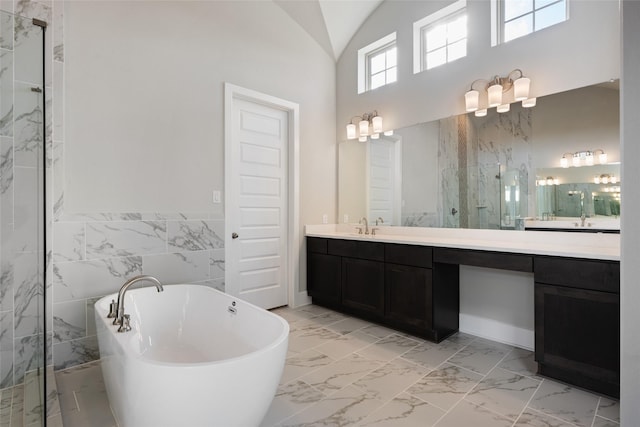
(416, 256)
(356, 249)
(500, 260)
(578, 273)
(317, 245)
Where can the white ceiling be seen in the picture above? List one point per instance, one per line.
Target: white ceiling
(332, 23)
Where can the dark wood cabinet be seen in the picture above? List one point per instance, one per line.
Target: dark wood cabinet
(324, 273)
(363, 285)
(577, 322)
(408, 295)
(388, 283)
(416, 289)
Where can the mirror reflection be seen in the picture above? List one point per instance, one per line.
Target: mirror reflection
(592, 191)
(484, 172)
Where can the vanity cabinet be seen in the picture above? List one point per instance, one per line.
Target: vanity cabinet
(408, 285)
(391, 284)
(324, 272)
(577, 322)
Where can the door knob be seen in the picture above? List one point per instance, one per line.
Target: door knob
(234, 235)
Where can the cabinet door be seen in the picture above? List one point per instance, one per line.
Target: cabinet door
(408, 295)
(323, 277)
(363, 285)
(578, 336)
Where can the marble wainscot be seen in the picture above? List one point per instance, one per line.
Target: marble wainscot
(603, 246)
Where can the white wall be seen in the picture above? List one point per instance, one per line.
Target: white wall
(578, 120)
(497, 304)
(420, 168)
(562, 57)
(630, 236)
(352, 179)
(144, 101)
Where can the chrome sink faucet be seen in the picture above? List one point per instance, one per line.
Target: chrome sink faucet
(366, 224)
(117, 309)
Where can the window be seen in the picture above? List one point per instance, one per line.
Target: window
(440, 37)
(522, 17)
(382, 67)
(377, 64)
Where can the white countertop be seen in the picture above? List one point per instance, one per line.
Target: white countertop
(604, 246)
(597, 223)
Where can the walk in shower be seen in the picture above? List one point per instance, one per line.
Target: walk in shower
(23, 328)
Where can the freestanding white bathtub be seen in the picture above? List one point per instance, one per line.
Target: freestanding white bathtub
(195, 357)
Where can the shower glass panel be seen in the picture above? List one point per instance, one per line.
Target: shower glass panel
(471, 197)
(22, 242)
(514, 198)
(485, 196)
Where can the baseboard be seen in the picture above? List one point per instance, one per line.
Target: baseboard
(300, 299)
(497, 331)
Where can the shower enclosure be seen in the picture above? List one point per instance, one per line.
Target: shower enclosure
(23, 355)
(486, 196)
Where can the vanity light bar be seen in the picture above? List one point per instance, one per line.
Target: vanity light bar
(584, 158)
(495, 90)
(369, 125)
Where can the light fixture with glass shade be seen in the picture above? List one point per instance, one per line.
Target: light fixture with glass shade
(369, 124)
(472, 100)
(584, 158)
(495, 89)
(494, 93)
(503, 108)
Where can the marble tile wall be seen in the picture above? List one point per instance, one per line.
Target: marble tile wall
(92, 257)
(89, 254)
(21, 143)
(476, 150)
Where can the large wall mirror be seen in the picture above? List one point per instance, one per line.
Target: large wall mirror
(491, 172)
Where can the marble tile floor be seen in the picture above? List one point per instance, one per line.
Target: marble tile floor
(20, 405)
(343, 371)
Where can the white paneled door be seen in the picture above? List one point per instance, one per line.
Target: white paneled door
(384, 178)
(257, 197)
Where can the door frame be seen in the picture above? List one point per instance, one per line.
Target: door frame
(231, 93)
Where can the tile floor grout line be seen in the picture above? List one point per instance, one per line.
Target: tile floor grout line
(551, 416)
(526, 406)
(75, 398)
(608, 419)
(595, 413)
(446, 361)
(484, 376)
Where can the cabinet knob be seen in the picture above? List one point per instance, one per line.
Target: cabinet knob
(234, 235)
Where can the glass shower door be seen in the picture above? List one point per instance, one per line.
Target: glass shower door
(22, 248)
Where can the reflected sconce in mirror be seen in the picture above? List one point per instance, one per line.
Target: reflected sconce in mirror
(495, 88)
(584, 158)
(547, 181)
(369, 125)
(605, 179)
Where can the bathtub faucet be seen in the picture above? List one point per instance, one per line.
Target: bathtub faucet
(121, 318)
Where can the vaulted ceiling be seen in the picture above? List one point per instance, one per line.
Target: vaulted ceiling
(332, 23)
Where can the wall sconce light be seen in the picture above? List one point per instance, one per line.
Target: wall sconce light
(605, 179)
(583, 158)
(495, 89)
(548, 181)
(367, 120)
